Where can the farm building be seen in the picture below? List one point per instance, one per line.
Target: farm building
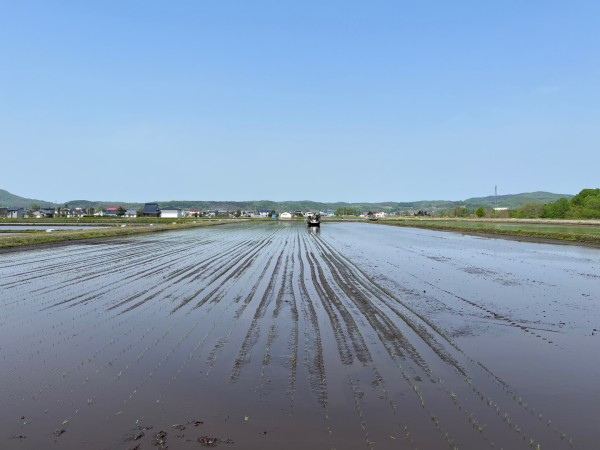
(285, 216)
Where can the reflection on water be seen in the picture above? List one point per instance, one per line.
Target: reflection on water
(314, 230)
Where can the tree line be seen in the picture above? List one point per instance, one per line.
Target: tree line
(585, 205)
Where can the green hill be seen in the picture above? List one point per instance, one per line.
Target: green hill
(14, 201)
(513, 201)
(510, 201)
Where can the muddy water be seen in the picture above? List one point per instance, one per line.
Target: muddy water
(271, 335)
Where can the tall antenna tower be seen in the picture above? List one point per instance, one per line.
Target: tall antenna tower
(495, 196)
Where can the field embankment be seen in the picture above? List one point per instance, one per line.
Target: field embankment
(585, 232)
(28, 237)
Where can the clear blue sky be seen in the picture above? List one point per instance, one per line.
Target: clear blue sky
(323, 100)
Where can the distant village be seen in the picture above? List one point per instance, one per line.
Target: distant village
(154, 210)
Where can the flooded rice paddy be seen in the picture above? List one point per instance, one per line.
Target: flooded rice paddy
(270, 336)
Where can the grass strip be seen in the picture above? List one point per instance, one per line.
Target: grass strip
(36, 237)
(583, 234)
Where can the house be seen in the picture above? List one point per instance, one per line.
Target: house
(15, 213)
(44, 213)
(171, 212)
(195, 212)
(151, 210)
(379, 215)
(131, 212)
(285, 216)
(111, 211)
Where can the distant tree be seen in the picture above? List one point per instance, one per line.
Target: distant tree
(584, 196)
(459, 211)
(480, 212)
(238, 213)
(35, 206)
(529, 210)
(121, 211)
(557, 210)
(586, 204)
(347, 212)
(139, 212)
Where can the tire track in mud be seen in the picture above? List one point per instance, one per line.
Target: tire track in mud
(101, 290)
(492, 314)
(50, 271)
(293, 341)
(75, 334)
(183, 274)
(426, 331)
(314, 360)
(254, 329)
(423, 330)
(388, 334)
(364, 287)
(341, 332)
(259, 273)
(223, 274)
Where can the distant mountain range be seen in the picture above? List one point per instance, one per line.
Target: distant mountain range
(508, 201)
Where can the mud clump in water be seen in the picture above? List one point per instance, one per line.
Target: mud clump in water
(160, 440)
(207, 441)
(138, 436)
